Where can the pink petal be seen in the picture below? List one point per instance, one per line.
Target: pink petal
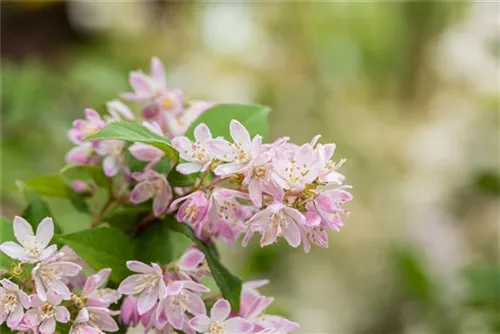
(41, 292)
(197, 287)
(269, 236)
(92, 116)
(255, 193)
(145, 152)
(255, 146)
(110, 166)
(48, 326)
(60, 288)
(161, 202)
(140, 193)
(147, 300)
(292, 234)
(191, 259)
(45, 231)
(187, 168)
(228, 169)
(118, 109)
(195, 304)
(129, 284)
(33, 317)
(13, 250)
(184, 146)
(240, 135)
(139, 267)
(79, 154)
(47, 252)
(202, 133)
(62, 314)
(304, 155)
(158, 72)
(15, 316)
(103, 319)
(238, 325)
(175, 317)
(174, 288)
(8, 285)
(220, 310)
(200, 323)
(221, 149)
(24, 299)
(141, 83)
(23, 231)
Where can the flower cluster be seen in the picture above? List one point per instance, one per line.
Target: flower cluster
(169, 298)
(284, 190)
(51, 293)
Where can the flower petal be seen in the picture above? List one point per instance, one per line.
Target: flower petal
(240, 135)
(140, 193)
(221, 149)
(238, 325)
(202, 133)
(220, 310)
(158, 72)
(147, 300)
(23, 231)
(139, 267)
(145, 152)
(13, 250)
(45, 231)
(48, 326)
(200, 323)
(195, 304)
(292, 234)
(15, 316)
(129, 285)
(191, 259)
(62, 314)
(187, 168)
(228, 169)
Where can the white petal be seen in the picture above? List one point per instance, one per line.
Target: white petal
(45, 231)
(189, 168)
(202, 133)
(15, 316)
(240, 135)
(13, 250)
(238, 325)
(48, 326)
(23, 231)
(220, 310)
(221, 149)
(200, 323)
(62, 314)
(147, 300)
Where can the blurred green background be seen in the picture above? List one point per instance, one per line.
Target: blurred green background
(409, 91)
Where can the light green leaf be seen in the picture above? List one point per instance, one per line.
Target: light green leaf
(133, 132)
(48, 185)
(104, 247)
(217, 118)
(7, 234)
(229, 284)
(84, 172)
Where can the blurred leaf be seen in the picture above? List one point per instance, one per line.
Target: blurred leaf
(126, 218)
(229, 284)
(104, 247)
(48, 185)
(488, 182)
(82, 172)
(177, 179)
(7, 229)
(37, 210)
(133, 132)
(154, 244)
(217, 118)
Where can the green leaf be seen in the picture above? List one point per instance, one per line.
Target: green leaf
(49, 185)
(229, 284)
(78, 201)
(37, 210)
(154, 244)
(217, 118)
(133, 132)
(84, 172)
(104, 247)
(7, 229)
(126, 218)
(177, 179)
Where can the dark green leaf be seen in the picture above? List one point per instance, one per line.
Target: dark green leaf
(7, 229)
(217, 118)
(49, 185)
(126, 218)
(229, 284)
(83, 172)
(177, 179)
(154, 244)
(104, 247)
(37, 210)
(78, 201)
(136, 133)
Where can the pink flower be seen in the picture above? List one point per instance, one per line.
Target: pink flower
(13, 303)
(148, 284)
(112, 151)
(192, 264)
(147, 87)
(33, 247)
(49, 275)
(328, 168)
(226, 215)
(218, 323)
(70, 256)
(275, 221)
(252, 303)
(80, 154)
(45, 314)
(83, 128)
(119, 110)
(272, 324)
(101, 318)
(195, 152)
(152, 185)
(181, 296)
(295, 172)
(193, 209)
(171, 101)
(177, 125)
(95, 296)
(145, 152)
(128, 312)
(82, 325)
(238, 154)
(329, 207)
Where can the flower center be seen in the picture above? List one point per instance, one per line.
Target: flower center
(47, 311)
(147, 281)
(9, 303)
(259, 171)
(216, 327)
(179, 302)
(191, 211)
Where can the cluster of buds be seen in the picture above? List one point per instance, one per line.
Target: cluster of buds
(53, 291)
(171, 298)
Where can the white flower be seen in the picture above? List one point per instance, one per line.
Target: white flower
(12, 303)
(218, 323)
(33, 247)
(149, 285)
(49, 275)
(45, 314)
(196, 153)
(297, 171)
